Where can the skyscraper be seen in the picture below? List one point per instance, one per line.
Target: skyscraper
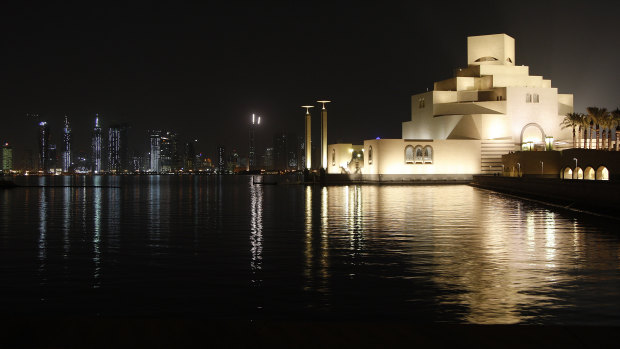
(7, 157)
(66, 150)
(96, 147)
(44, 143)
(252, 148)
(221, 160)
(117, 148)
(155, 137)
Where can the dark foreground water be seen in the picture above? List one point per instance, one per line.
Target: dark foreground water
(221, 248)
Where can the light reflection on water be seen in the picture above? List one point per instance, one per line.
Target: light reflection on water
(226, 248)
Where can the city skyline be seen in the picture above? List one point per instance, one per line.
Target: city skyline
(203, 71)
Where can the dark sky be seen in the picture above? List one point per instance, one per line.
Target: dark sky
(202, 70)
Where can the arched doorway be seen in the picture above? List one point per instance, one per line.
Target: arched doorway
(567, 173)
(578, 173)
(589, 173)
(602, 173)
(534, 133)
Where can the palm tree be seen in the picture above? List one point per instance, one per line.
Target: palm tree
(597, 115)
(587, 131)
(605, 123)
(572, 120)
(615, 115)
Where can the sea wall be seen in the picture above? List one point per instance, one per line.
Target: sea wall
(597, 196)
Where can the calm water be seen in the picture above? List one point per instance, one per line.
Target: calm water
(221, 248)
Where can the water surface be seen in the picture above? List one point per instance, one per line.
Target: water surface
(221, 248)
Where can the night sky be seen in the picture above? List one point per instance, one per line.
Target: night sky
(202, 70)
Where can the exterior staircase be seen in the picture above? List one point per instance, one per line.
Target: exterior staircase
(491, 154)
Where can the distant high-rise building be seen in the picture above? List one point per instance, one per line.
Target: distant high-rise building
(52, 158)
(44, 143)
(268, 162)
(96, 147)
(7, 157)
(252, 147)
(279, 151)
(221, 160)
(117, 148)
(155, 154)
(66, 149)
(189, 157)
(169, 155)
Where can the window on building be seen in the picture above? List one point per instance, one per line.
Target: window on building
(419, 154)
(428, 154)
(421, 103)
(409, 154)
(528, 98)
(333, 157)
(535, 98)
(370, 155)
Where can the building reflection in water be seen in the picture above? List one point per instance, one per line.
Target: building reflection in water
(42, 243)
(256, 231)
(153, 210)
(66, 217)
(97, 230)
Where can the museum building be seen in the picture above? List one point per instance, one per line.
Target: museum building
(466, 123)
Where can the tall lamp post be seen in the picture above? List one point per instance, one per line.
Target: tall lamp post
(308, 143)
(323, 135)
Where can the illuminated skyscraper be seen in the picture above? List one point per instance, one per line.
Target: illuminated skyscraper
(155, 137)
(117, 148)
(221, 160)
(97, 146)
(66, 150)
(44, 143)
(252, 148)
(7, 157)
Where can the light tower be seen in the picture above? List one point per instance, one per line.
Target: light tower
(323, 135)
(252, 152)
(308, 144)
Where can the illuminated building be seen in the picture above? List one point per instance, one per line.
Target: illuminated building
(221, 160)
(155, 137)
(66, 149)
(466, 123)
(169, 156)
(268, 158)
(252, 147)
(44, 143)
(117, 148)
(7, 157)
(96, 147)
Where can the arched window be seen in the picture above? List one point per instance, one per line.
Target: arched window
(333, 157)
(535, 98)
(568, 173)
(589, 173)
(578, 173)
(602, 173)
(428, 154)
(409, 154)
(370, 155)
(421, 103)
(419, 154)
(528, 98)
